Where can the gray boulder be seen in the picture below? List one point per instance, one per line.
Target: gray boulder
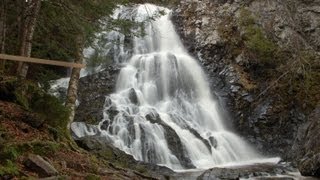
(40, 166)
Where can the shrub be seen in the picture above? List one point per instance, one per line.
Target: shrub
(264, 49)
(51, 108)
(259, 47)
(9, 168)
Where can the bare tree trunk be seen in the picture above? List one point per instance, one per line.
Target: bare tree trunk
(30, 14)
(3, 30)
(72, 93)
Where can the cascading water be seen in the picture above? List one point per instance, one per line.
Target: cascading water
(162, 111)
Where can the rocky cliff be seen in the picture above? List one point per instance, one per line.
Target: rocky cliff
(262, 59)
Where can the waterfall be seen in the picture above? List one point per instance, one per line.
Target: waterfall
(162, 110)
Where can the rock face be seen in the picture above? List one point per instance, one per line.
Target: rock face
(309, 165)
(99, 146)
(258, 171)
(40, 166)
(255, 54)
(92, 92)
(173, 140)
(226, 36)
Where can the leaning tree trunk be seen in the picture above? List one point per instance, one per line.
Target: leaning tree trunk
(30, 16)
(3, 30)
(72, 93)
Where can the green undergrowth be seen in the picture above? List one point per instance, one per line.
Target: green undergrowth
(35, 100)
(9, 168)
(11, 152)
(257, 45)
(92, 177)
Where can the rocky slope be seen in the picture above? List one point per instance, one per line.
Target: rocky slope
(262, 59)
(34, 145)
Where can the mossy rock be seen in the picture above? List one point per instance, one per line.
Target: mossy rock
(13, 151)
(92, 177)
(8, 169)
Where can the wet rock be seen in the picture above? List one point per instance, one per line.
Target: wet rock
(104, 149)
(42, 167)
(173, 140)
(105, 125)
(258, 171)
(133, 97)
(92, 94)
(309, 165)
(207, 27)
(154, 118)
(205, 142)
(81, 129)
(213, 141)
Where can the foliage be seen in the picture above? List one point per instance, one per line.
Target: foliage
(9, 168)
(43, 76)
(246, 18)
(258, 45)
(35, 99)
(42, 148)
(13, 151)
(9, 153)
(290, 71)
(294, 73)
(302, 81)
(51, 109)
(59, 23)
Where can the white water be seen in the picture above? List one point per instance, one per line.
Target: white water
(169, 83)
(166, 81)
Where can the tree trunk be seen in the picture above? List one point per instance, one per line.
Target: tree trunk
(3, 31)
(72, 93)
(30, 18)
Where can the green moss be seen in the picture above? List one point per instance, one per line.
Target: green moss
(9, 168)
(9, 152)
(21, 99)
(259, 47)
(107, 154)
(91, 120)
(141, 169)
(94, 164)
(92, 177)
(246, 17)
(8, 155)
(13, 151)
(264, 49)
(44, 148)
(23, 91)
